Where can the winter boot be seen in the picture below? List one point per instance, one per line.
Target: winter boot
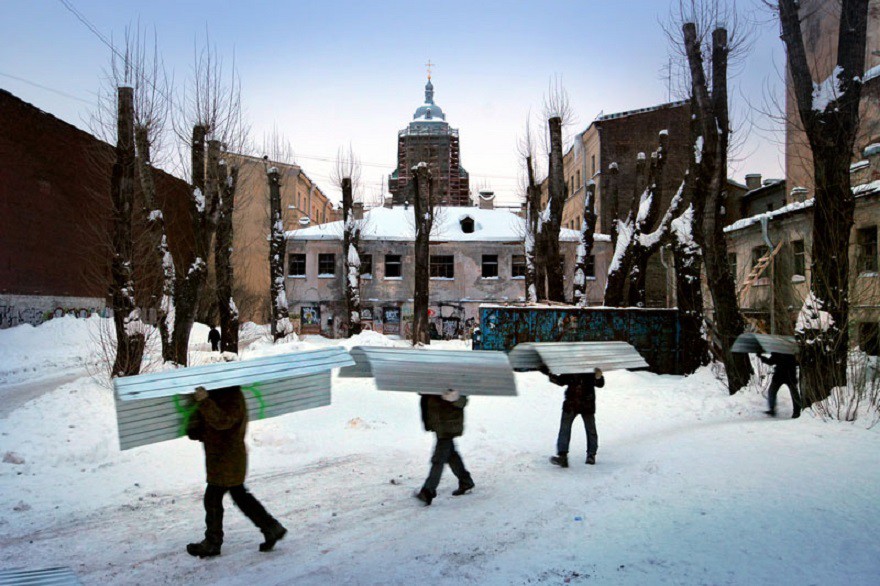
(203, 549)
(426, 495)
(771, 412)
(591, 459)
(273, 534)
(796, 414)
(560, 460)
(463, 486)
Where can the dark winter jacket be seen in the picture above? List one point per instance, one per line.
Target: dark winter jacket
(444, 418)
(220, 423)
(214, 336)
(784, 366)
(580, 394)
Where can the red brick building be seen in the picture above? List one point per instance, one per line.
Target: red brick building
(55, 215)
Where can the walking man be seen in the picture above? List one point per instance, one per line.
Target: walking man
(580, 399)
(220, 423)
(214, 338)
(444, 415)
(784, 373)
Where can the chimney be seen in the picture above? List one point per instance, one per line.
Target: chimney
(486, 200)
(753, 181)
(389, 202)
(357, 210)
(798, 194)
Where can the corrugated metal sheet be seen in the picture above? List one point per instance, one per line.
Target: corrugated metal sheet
(148, 421)
(434, 372)
(361, 368)
(43, 577)
(575, 357)
(749, 343)
(653, 332)
(227, 374)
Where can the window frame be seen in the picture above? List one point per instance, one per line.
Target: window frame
(867, 250)
(442, 263)
(398, 263)
(366, 262)
(799, 259)
(484, 263)
(514, 266)
(298, 256)
(322, 262)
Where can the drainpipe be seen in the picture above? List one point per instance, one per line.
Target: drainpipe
(764, 234)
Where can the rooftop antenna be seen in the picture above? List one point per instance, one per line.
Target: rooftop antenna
(429, 65)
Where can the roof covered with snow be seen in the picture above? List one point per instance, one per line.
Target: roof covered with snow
(398, 223)
(858, 190)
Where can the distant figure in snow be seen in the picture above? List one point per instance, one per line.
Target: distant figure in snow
(580, 399)
(784, 373)
(477, 339)
(214, 338)
(220, 423)
(444, 415)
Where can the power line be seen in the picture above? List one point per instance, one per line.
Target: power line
(43, 87)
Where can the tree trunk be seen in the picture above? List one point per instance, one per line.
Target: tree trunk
(280, 323)
(535, 277)
(130, 337)
(585, 248)
(644, 247)
(552, 226)
(831, 129)
(424, 219)
(189, 285)
(352, 261)
(623, 258)
(162, 263)
(710, 180)
(226, 308)
(694, 352)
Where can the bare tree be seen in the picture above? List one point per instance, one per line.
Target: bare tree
(213, 112)
(585, 246)
(280, 320)
(710, 106)
(130, 334)
(829, 111)
(424, 221)
(347, 176)
(535, 282)
(623, 233)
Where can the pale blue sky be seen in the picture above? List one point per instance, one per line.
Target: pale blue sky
(332, 73)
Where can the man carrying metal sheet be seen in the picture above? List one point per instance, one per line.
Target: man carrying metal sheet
(444, 415)
(580, 399)
(220, 423)
(784, 373)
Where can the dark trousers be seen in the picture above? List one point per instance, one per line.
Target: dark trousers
(215, 345)
(775, 384)
(445, 453)
(244, 500)
(564, 437)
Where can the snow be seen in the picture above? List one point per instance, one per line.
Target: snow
(692, 486)
(871, 74)
(811, 316)
(155, 215)
(698, 149)
(624, 236)
(828, 91)
(644, 206)
(199, 199)
(397, 224)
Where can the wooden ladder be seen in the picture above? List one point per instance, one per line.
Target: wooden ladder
(756, 273)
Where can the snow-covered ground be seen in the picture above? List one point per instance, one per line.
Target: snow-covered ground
(691, 487)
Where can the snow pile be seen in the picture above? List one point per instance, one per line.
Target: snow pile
(692, 486)
(828, 91)
(371, 338)
(58, 345)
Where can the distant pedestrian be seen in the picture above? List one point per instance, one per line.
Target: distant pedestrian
(444, 415)
(784, 373)
(477, 339)
(214, 338)
(580, 399)
(220, 423)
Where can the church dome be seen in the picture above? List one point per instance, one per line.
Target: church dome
(429, 111)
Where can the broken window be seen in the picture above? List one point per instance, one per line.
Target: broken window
(296, 265)
(326, 265)
(867, 243)
(442, 266)
(392, 265)
(518, 266)
(490, 266)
